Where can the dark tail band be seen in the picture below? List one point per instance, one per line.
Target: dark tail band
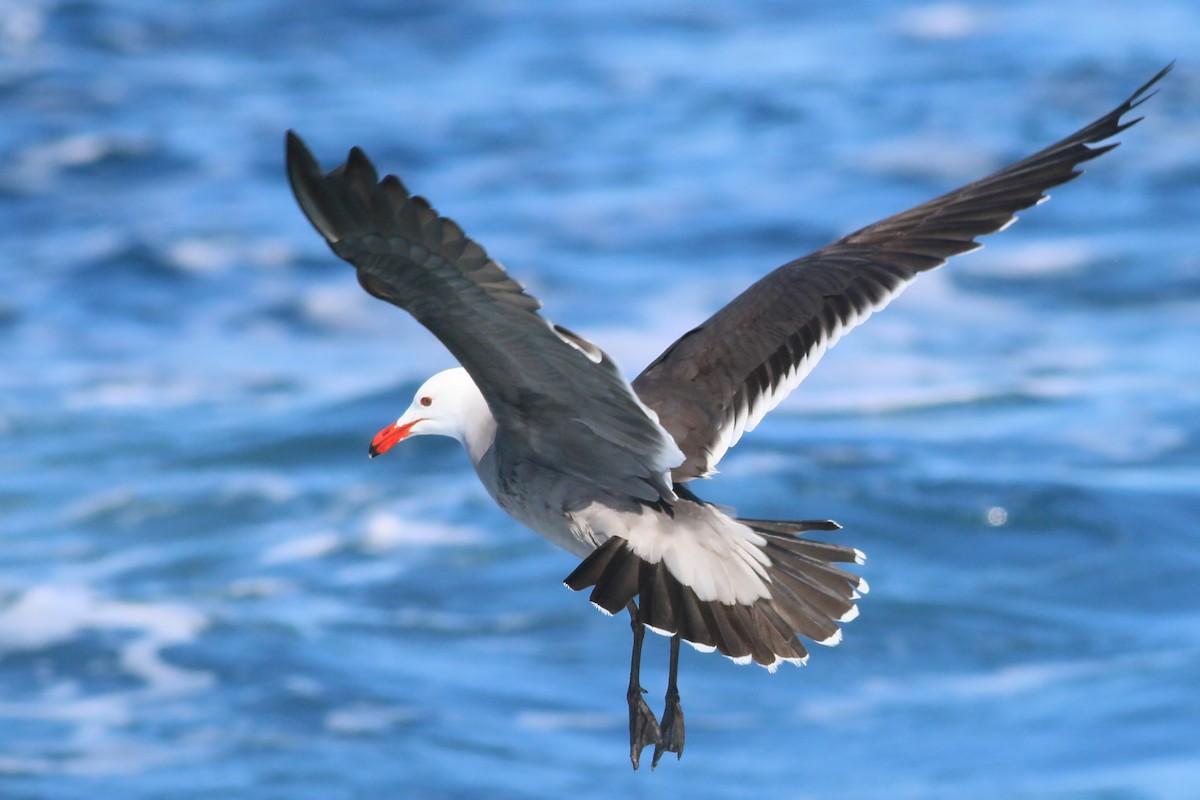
(809, 595)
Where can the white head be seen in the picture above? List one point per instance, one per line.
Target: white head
(448, 404)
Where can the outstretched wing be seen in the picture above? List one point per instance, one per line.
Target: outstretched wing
(552, 392)
(719, 380)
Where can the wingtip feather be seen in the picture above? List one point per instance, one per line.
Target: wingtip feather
(305, 178)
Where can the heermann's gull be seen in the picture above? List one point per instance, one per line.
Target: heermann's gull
(596, 465)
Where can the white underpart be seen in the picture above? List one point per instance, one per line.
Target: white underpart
(747, 415)
(719, 558)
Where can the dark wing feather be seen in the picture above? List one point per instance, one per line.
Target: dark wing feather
(553, 394)
(720, 379)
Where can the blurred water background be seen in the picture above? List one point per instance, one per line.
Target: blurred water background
(207, 591)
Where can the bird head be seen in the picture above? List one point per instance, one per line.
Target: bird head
(444, 406)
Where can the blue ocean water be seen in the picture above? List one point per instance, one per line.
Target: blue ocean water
(206, 590)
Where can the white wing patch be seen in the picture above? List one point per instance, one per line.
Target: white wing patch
(748, 413)
(719, 558)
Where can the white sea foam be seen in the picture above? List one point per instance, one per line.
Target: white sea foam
(100, 504)
(69, 151)
(1010, 681)
(146, 388)
(208, 255)
(567, 721)
(42, 616)
(303, 686)
(384, 531)
(305, 548)
(21, 25)
(928, 157)
(1122, 441)
(367, 719)
(660, 319)
(344, 306)
(37, 167)
(259, 587)
(941, 21)
(1047, 257)
(46, 615)
(93, 749)
(272, 487)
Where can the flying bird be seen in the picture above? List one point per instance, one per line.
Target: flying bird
(565, 444)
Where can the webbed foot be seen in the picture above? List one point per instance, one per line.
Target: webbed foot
(643, 728)
(671, 731)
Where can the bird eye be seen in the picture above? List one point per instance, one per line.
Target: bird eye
(426, 401)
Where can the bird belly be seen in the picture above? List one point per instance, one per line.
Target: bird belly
(545, 510)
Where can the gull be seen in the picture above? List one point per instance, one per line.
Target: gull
(600, 466)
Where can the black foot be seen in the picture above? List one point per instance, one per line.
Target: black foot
(643, 728)
(672, 731)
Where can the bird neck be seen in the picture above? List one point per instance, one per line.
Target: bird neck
(479, 434)
(477, 427)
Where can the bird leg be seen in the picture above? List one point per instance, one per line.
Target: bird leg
(672, 719)
(643, 726)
